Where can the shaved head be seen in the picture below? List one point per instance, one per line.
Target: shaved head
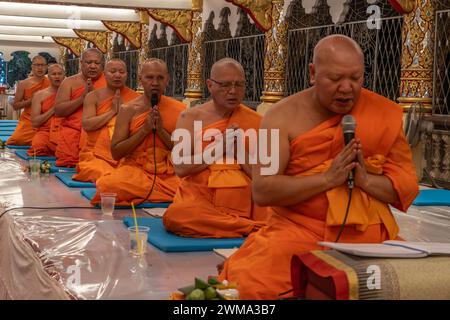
(38, 57)
(218, 66)
(329, 46)
(91, 51)
(55, 65)
(115, 60)
(156, 60)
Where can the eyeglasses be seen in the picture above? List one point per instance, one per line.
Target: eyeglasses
(227, 85)
(39, 65)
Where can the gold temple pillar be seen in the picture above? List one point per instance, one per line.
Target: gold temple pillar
(275, 58)
(194, 90)
(416, 78)
(145, 50)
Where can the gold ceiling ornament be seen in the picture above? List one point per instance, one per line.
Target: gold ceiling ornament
(259, 10)
(75, 45)
(98, 38)
(130, 30)
(179, 20)
(403, 6)
(416, 75)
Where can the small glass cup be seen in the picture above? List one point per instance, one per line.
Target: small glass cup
(138, 240)
(35, 166)
(108, 201)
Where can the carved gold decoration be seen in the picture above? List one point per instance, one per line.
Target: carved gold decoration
(179, 20)
(62, 55)
(144, 52)
(130, 30)
(275, 55)
(403, 6)
(73, 44)
(98, 38)
(194, 89)
(259, 10)
(416, 79)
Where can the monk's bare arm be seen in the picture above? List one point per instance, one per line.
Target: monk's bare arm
(188, 167)
(19, 103)
(283, 190)
(122, 143)
(64, 107)
(38, 118)
(91, 121)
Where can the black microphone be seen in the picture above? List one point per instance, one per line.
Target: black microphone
(348, 127)
(154, 100)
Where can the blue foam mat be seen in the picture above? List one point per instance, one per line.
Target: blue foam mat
(66, 178)
(19, 147)
(90, 193)
(23, 154)
(7, 127)
(169, 242)
(54, 169)
(433, 197)
(9, 121)
(4, 137)
(6, 132)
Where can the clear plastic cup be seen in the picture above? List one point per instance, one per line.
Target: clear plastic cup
(108, 201)
(35, 166)
(138, 240)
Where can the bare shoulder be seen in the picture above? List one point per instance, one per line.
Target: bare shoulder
(199, 112)
(132, 108)
(283, 111)
(72, 81)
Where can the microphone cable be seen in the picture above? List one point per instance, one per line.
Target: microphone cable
(155, 168)
(346, 213)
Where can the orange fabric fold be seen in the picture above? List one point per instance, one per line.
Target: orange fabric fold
(217, 202)
(40, 145)
(262, 265)
(95, 157)
(69, 138)
(24, 133)
(133, 178)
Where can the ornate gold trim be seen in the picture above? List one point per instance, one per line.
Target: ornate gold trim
(194, 88)
(416, 75)
(179, 20)
(403, 6)
(98, 38)
(73, 44)
(130, 30)
(260, 11)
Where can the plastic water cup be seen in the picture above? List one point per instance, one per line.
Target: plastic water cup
(35, 166)
(140, 238)
(108, 201)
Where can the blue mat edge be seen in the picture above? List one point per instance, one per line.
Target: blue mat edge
(222, 243)
(87, 193)
(62, 175)
(425, 198)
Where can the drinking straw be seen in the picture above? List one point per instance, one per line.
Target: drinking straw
(136, 229)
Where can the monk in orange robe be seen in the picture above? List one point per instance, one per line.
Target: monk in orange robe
(214, 199)
(309, 193)
(69, 105)
(99, 117)
(24, 132)
(42, 113)
(142, 140)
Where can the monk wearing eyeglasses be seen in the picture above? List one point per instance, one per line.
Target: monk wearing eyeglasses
(24, 133)
(214, 197)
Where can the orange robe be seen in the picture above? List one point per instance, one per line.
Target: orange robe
(23, 135)
(40, 145)
(261, 266)
(132, 179)
(95, 156)
(217, 202)
(68, 147)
